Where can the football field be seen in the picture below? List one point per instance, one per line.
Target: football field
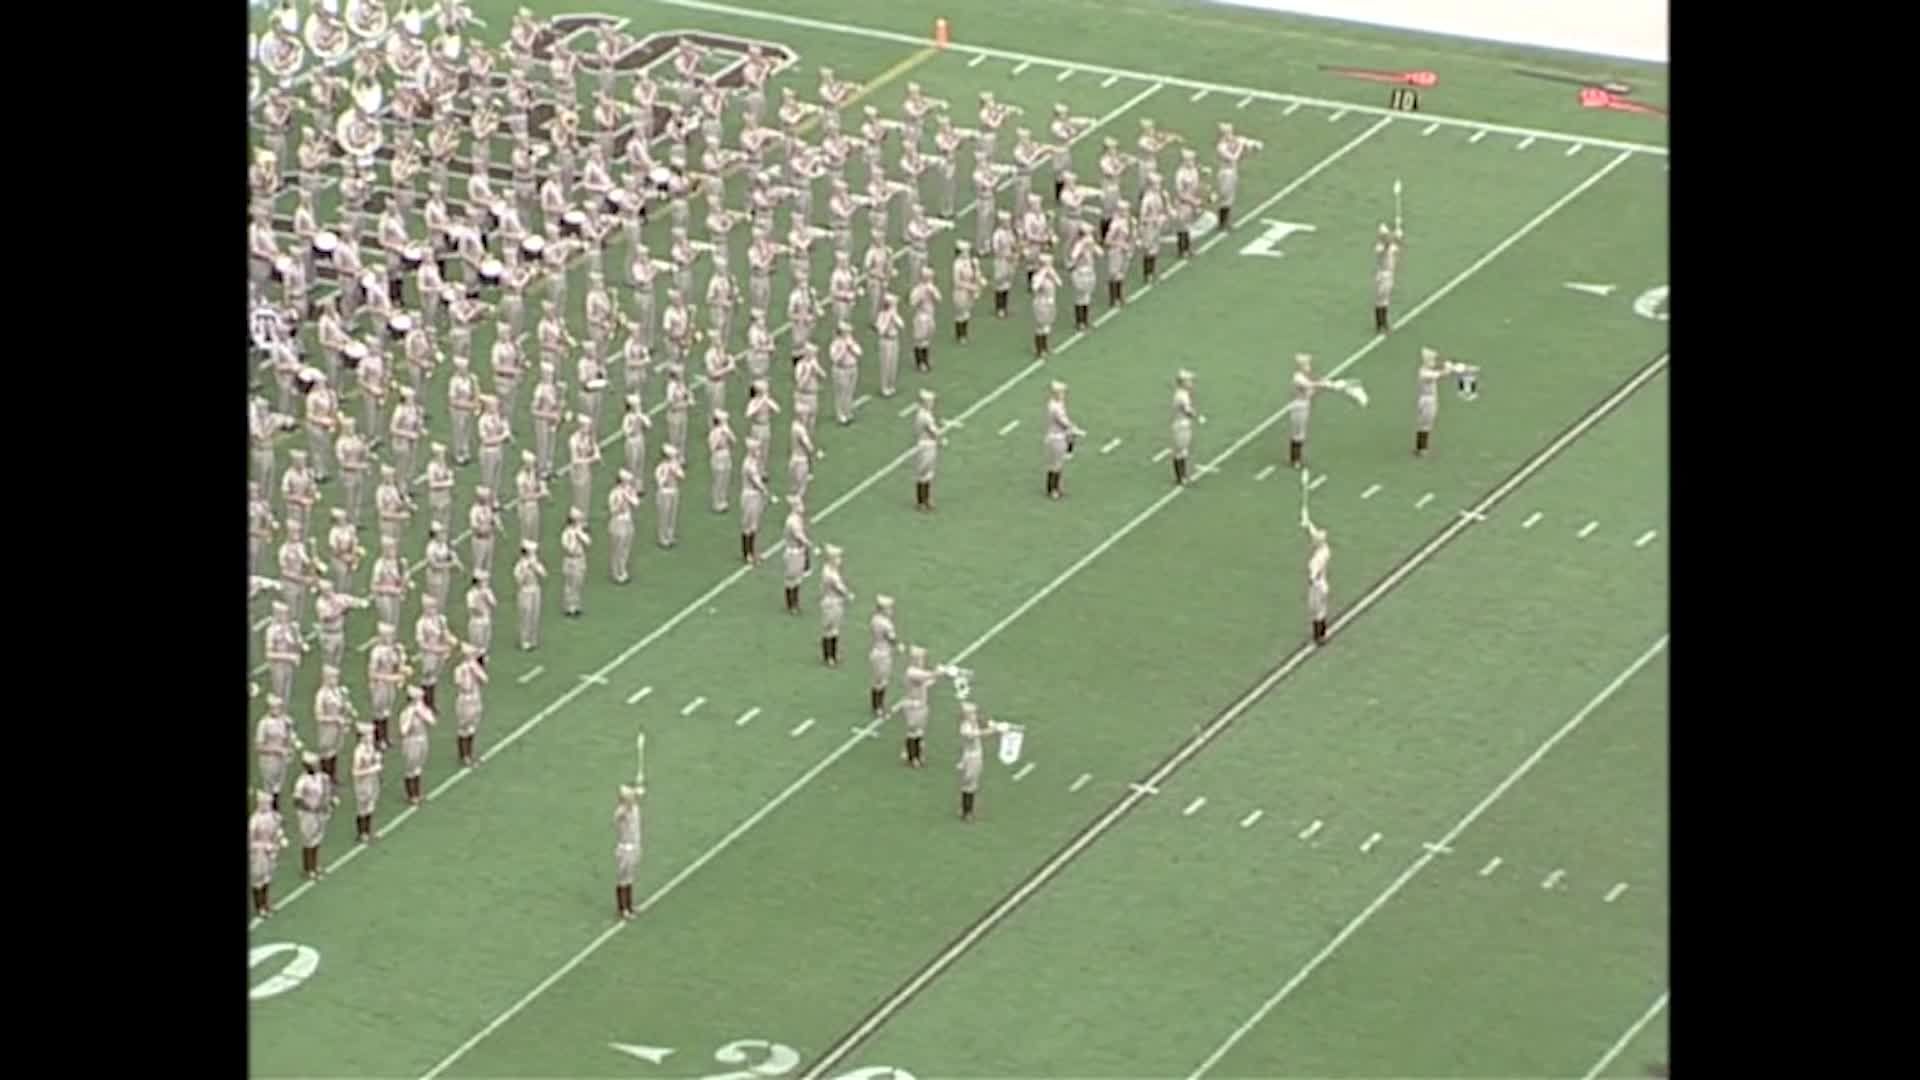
(1434, 847)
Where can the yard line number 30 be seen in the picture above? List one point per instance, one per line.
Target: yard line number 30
(763, 1060)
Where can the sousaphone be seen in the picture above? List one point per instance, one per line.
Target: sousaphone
(280, 50)
(253, 73)
(367, 18)
(325, 34)
(358, 127)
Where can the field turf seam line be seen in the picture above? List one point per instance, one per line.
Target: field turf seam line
(1078, 843)
(1295, 100)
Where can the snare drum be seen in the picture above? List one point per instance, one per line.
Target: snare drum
(354, 353)
(661, 178)
(400, 326)
(615, 201)
(325, 243)
(532, 248)
(414, 255)
(491, 271)
(573, 223)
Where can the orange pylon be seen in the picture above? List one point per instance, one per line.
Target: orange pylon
(940, 33)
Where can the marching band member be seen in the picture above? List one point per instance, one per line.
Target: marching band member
(973, 729)
(949, 140)
(1386, 260)
(436, 643)
(1318, 556)
(1119, 256)
(260, 526)
(469, 679)
(754, 497)
(1066, 129)
(530, 489)
(389, 581)
(330, 607)
(392, 503)
(800, 456)
(666, 493)
(505, 360)
(298, 489)
(296, 570)
(1045, 281)
(407, 428)
(886, 327)
(626, 848)
(367, 767)
(548, 408)
(1080, 261)
(351, 454)
(313, 798)
(925, 299)
(759, 345)
(386, 670)
(928, 432)
(880, 654)
(1153, 218)
(439, 481)
(1230, 148)
(679, 401)
(634, 425)
(719, 367)
(574, 542)
(834, 598)
(440, 563)
(416, 726)
(1432, 369)
(481, 603)
(527, 577)
(1004, 247)
(621, 502)
(878, 272)
(796, 550)
(966, 288)
(274, 740)
(1301, 408)
(1183, 418)
(1188, 200)
(265, 839)
(332, 711)
(463, 403)
(583, 453)
(343, 545)
(915, 684)
(806, 386)
(1061, 431)
(720, 440)
(845, 352)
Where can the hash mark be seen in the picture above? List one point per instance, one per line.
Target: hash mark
(1423, 500)
(1111, 79)
(1244, 102)
(1587, 530)
(1198, 94)
(1532, 520)
(1081, 782)
(1023, 771)
(1645, 538)
(1291, 109)
(1264, 473)
(1023, 66)
(1370, 492)
(746, 718)
(907, 410)
(1065, 75)
(977, 60)
(1165, 453)
(1194, 806)
(1492, 865)
(1108, 448)
(1314, 484)
(1553, 879)
(1309, 832)
(689, 707)
(1145, 789)
(1009, 426)
(1368, 846)
(1614, 893)
(1576, 148)
(1337, 117)
(803, 728)
(862, 400)
(531, 674)
(1247, 822)
(1430, 128)
(1477, 136)
(1524, 143)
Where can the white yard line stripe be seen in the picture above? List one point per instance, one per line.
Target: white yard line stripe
(1264, 473)
(1524, 143)
(1110, 313)
(1614, 893)
(1143, 789)
(1438, 847)
(1198, 94)
(1171, 270)
(1477, 136)
(1532, 520)
(1064, 75)
(1553, 880)
(978, 59)
(1244, 102)
(1314, 484)
(1646, 538)
(805, 726)
(847, 746)
(1587, 530)
(1420, 863)
(1163, 454)
(1110, 446)
(1576, 148)
(1291, 109)
(398, 819)
(1008, 426)
(531, 674)
(1337, 117)
(1080, 782)
(1371, 491)
(862, 400)
(1111, 79)
(1606, 1059)
(1206, 735)
(1021, 773)
(1194, 806)
(1369, 843)
(1024, 65)
(1430, 128)
(1421, 502)
(639, 695)
(746, 718)
(907, 410)
(1312, 830)
(1248, 821)
(690, 707)
(1492, 865)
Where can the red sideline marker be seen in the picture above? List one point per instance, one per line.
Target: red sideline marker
(1593, 97)
(1422, 79)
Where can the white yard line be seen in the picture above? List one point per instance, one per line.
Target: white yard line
(1022, 772)
(1371, 491)
(692, 706)
(1109, 314)
(1110, 446)
(1312, 830)
(1614, 893)
(848, 745)
(531, 674)
(1162, 454)
(1194, 806)
(1659, 1005)
(639, 695)
(746, 718)
(1492, 865)
(1080, 782)
(1587, 529)
(1421, 502)
(1420, 863)
(1008, 426)
(1369, 843)
(1314, 484)
(1532, 520)
(805, 726)
(1264, 473)
(1646, 538)
(1248, 821)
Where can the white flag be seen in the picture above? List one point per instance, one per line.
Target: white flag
(1010, 741)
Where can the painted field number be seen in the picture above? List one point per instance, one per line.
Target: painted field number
(758, 1059)
(292, 973)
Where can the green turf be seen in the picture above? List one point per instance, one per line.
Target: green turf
(789, 924)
